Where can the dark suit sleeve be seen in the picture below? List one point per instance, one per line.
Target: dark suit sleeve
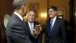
(46, 36)
(40, 38)
(64, 32)
(19, 34)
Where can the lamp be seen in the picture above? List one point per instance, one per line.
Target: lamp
(43, 15)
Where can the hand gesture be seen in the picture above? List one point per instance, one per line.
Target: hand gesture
(37, 30)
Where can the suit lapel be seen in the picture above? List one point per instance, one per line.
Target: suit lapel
(27, 26)
(34, 24)
(55, 25)
(48, 27)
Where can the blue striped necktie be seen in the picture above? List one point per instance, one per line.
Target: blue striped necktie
(51, 22)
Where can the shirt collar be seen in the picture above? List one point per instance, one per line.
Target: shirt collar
(30, 23)
(54, 18)
(18, 15)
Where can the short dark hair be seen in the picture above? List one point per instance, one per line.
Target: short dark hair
(18, 3)
(53, 7)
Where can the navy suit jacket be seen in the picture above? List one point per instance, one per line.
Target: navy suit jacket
(59, 34)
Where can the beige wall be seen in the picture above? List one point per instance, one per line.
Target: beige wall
(61, 4)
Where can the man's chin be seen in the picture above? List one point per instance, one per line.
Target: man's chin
(50, 16)
(30, 21)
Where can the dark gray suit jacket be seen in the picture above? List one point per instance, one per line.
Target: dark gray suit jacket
(16, 31)
(59, 34)
(32, 38)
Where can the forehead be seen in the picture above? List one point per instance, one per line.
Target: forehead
(31, 12)
(51, 9)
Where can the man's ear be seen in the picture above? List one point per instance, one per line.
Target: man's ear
(56, 12)
(22, 7)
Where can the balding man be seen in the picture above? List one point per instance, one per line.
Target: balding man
(34, 28)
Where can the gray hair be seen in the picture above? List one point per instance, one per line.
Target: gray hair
(18, 3)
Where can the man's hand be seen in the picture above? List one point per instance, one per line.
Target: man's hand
(37, 30)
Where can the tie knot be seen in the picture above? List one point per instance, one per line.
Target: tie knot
(51, 21)
(51, 25)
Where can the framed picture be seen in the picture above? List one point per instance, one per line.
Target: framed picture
(61, 13)
(34, 7)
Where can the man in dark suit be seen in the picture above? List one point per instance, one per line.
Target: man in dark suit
(16, 31)
(31, 25)
(55, 28)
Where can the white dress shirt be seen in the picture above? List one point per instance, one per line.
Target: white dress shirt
(18, 15)
(31, 26)
(54, 19)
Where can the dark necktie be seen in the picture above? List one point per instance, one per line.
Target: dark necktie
(51, 26)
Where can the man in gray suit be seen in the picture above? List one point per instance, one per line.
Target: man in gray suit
(16, 31)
